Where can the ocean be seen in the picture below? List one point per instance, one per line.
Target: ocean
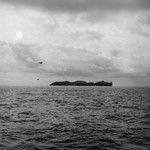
(74, 118)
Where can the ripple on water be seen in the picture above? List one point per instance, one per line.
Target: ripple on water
(72, 118)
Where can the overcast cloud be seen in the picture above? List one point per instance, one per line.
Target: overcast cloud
(76, 40)
(83, 5)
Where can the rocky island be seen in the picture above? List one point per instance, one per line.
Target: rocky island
(81, 83)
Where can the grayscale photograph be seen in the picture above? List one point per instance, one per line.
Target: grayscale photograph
(74, 74)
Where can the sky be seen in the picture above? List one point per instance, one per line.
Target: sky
(89, 40)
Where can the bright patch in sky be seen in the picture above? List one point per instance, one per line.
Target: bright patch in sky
(19, 35)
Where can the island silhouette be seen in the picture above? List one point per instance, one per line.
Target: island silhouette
(81, 83)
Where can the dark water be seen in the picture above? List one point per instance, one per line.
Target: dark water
(84, 118)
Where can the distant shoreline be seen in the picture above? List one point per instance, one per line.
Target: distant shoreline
(81, 83)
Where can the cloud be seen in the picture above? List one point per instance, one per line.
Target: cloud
(141, 25)
(115, 53)
(62, 61)
(75, 38)
(148, 74)
(69, 61)
(25, 55)
(75, 6)
(87, 35)
(18, 58)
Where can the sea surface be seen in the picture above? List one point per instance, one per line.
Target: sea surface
(74, 118)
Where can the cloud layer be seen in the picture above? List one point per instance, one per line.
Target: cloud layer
(58, 61)
(75, 40)
(83, 5)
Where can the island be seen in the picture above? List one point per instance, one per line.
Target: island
(81, 83)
